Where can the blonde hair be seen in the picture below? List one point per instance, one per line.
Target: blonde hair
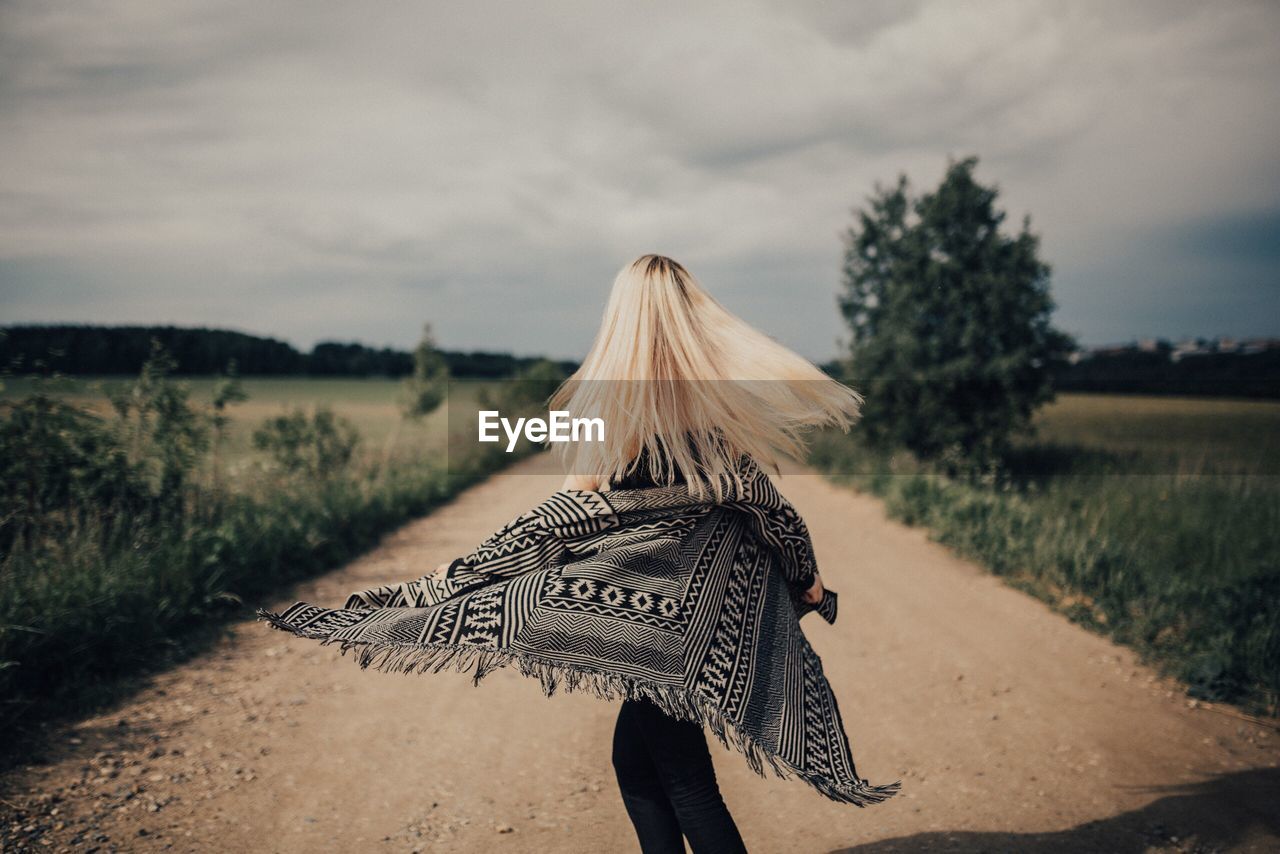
(675, 376)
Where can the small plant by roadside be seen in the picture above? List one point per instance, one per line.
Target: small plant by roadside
(161, 429)
(425, 389)
(318, 445)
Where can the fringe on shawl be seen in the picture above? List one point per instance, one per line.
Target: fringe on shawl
(675, 701)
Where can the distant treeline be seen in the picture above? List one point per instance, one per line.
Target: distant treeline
(1154, 371)
(1139, 371)
(78, 349)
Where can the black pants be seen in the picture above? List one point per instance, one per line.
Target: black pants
(669, 785)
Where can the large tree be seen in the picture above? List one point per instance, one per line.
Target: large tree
(950, 319)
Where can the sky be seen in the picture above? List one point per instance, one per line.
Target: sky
(344, 171)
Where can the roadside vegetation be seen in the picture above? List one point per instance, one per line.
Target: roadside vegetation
(1153, 520)
(139, 515)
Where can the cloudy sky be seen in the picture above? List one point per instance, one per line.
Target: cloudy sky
(319, 170)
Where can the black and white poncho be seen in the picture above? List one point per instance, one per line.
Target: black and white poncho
(690, 602)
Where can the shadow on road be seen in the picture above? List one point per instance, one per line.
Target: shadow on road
(1212, 815)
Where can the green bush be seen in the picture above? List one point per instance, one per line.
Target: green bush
(161, 429)
(60, 467)
(318, 446)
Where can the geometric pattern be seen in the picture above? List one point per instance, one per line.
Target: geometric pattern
(688, 601)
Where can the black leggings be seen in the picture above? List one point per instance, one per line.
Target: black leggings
(669, 785)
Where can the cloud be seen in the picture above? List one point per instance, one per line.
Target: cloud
(319, 170)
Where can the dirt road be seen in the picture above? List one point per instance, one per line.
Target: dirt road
(1010, 728)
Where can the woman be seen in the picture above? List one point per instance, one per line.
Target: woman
(668, 572)
(684, 388)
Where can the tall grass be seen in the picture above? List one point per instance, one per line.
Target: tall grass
(104, 573)
(1155, 522)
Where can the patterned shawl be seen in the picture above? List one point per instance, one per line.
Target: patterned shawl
(655, 593)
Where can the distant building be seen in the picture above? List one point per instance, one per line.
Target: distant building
(1180, 350)
(1188, 347)
(1259, 345)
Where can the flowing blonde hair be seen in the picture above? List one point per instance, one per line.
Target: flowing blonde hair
(675, 376)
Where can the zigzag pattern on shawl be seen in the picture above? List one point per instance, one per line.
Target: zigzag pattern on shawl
(517, 547)
(652, 593)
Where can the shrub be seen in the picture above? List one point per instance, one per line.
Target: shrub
(317, 446)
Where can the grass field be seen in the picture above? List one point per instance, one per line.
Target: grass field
(1155, 520)
(1163, 435)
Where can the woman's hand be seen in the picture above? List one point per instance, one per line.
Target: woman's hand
(814, 594)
